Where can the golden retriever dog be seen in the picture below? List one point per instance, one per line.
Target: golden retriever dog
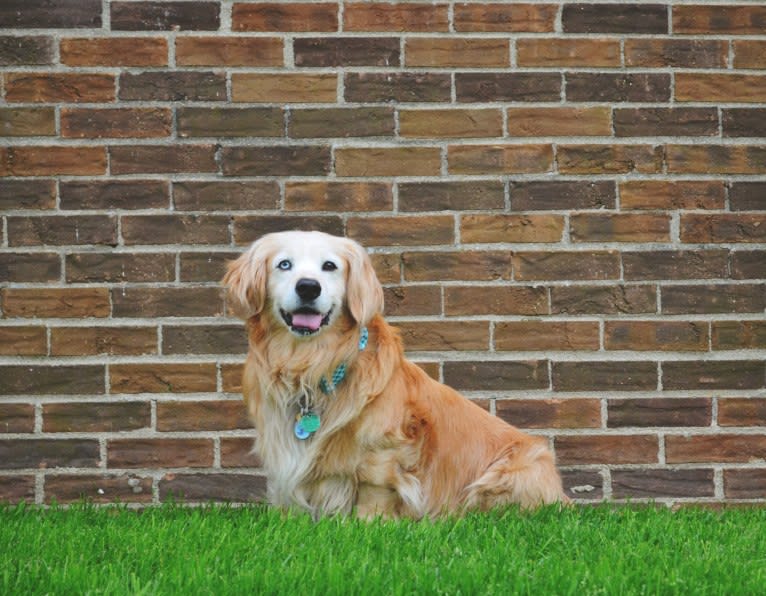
(345, 423)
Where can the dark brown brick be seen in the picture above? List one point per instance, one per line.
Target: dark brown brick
(50, 14)
(744, 484)
(656, 484)
(224, 196)
(718, 448)
(23, 341)
(237, 488)
(175, 229)
(587, 300)
(159, 453)
(617, 87)
(165, 16)
(174, 416)
(679, 53)
(659, 411)
(451, 196)
(713, 299)
(397, 87)
(547, 336)
(205, 267)
(62, 230)
(675, 264)
(120, 267)
(279, 16)
(229, 51)
(172, 86)
(309, 160)
(737, 20)
(713, 375)
(17, 489)
(511, 228)
(666, 194)
(748, 264)
(59, 87)
(187, 301)
(608, 449)
(230, 122)
(30, 268)
(747, 196)
(610, 159)
(497, 375)
(604, 376)
(735, 335)
(65, 303)
(36, 50)
(514, 86)
(155, 159)
(412, 300)
(82, 123)
(730, 227)
(744, 122)
(445, 336)
(676, 336)
(499, 159)
(346, 51)
(19, 454)
(614, 18)
(16, 418)
(51, 380)
(742, 411)
(38, 160)
(27, 122)
(338, 196)
(249, 228)
(95, 417)
(562, 194)
(341, 122)
(237, 452)
(409, 17)
(91, 340)
(550, 413)
(619, 227)
(162, 378)
(666, 122)
(114, 194)
(715, 159)
(501, 300)
(749, 53)
(502, 17)
(463, 265)
(583, 485)
(402, 230)
(551, 266)
(107, 488)
(119, 51)
(204, 339)
(27, 194)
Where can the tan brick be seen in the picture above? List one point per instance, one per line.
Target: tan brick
(511, 228)
(229, 51)
(445, 335)
(611, 449)
(379, 16)
(159, 453)
(87, 341)
(232, 377)
(559, 122)
(675, 336)
(121, 51)
(450, 123)
(59, 87)
(338, 196)
(284, 87)
(23, 341)
(402, 230)
(65, 303)
(720, 88)
(609, 159)
(619, 227)
(27, 122)
(715, 159)
(162, 378)
(82, 123)
(550, 413)
(568, 52)
(500, 159)
(53, 161)
(742, 411)
(546, 335)
(749, 53)
(280, 16)
(524, 17)
(666, 194)
(388, 161)
(456, 52)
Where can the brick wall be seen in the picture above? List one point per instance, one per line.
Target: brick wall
(566, 203)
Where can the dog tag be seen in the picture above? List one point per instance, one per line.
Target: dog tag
(300, 432)
(310, 422)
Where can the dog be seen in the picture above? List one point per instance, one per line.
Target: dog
(345, 424)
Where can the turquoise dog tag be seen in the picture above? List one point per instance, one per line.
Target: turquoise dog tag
(306, 425)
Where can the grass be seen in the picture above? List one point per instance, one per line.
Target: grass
(221, 550)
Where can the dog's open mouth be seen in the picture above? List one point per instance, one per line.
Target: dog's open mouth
(305, 321)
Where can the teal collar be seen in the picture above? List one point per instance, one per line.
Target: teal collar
(340, 373)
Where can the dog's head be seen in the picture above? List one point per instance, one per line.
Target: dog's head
(305, 281)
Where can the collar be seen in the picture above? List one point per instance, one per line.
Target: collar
(339, 373)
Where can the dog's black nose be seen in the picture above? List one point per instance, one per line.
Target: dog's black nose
(308, 289)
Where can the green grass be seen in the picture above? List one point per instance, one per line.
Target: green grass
(220, 550)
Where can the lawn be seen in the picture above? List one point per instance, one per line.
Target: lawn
(221, 550)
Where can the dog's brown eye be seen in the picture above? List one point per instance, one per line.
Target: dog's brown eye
(285, 265)
(329, 266)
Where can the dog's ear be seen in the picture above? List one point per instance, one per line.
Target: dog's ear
(364, 294)
(245, 280)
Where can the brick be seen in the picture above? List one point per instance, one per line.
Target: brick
(96, 417)
(659, 411)
(295, 160)
(402, 230)
(499, 17)
(463, 265)
(284, 87)
(590, 53)
(736, 20)
(27, 194)
(619, 227)
(508, 86)
(27, 122)
(231, 375)
(19, 454)
(276, 16)
(120, 267)
(30, 268)
(588, 300)
(17, 489)
(713, 299)
(497, 375)
(338, 196)
(676, 336)
(107, 488)
(238, 453)
(749, 53)
(544, 195)
(607, 449)
(511, 228)
(500, 159)
(451, 196)
(614, 18)
(718, 448)
(51, 380)
(610, 159)
(60, 303)
(618, 87)
(23, 341)
(177, 85)
(409, 17)
(156, 159)
(174, 416)
(682, 122)
(445, 336)
(229, 51)
(412, 300)
(225, 196)
(581, 265)
(249, 228)
(456, 52)
(159, 453)
(229, 122)
(33, 50)
(205, 267)
(748, 264)
(165, 16)
(114, 194)
(186, 301)
(559, 122)
(718, 374)
(672, 194)
(404, 87)
(744, 484)
(175, 229)
(670, 264)
(114, 341)
(346, 51)
(652, 484)
(238, 488)
(677, 53)
(487, 300)
(53, 161)
(62, 230)
(737, 411)
(162, 378)
(57, 87)
(204, 339)
(719, 88)
(735, 335)
(743, 122)
(450, 123)
(546, 336)
(81, 123)
(341, 122)
(729, 227)
(50, 14)
(583, 485)
(604, 376)
(121, 51)
(550, 413)
(17, 418)
(388, 161)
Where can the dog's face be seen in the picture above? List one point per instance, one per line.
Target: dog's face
(305, 281)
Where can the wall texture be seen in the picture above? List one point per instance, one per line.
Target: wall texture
(566, 203)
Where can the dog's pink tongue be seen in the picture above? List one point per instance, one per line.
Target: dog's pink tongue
(307, 321)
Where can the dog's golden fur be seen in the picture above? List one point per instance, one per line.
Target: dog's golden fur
(393, 441)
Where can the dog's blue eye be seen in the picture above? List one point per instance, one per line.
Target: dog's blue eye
(285, 265)
(329, 266)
